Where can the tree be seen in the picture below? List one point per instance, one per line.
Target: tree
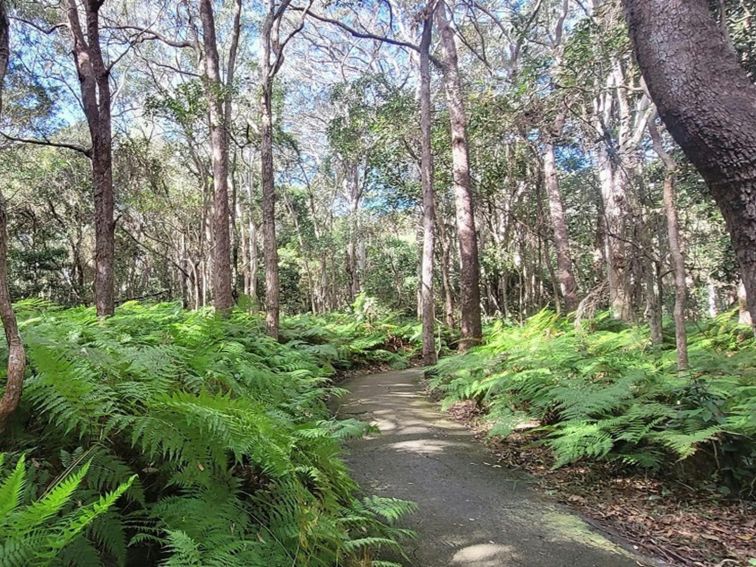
(14, 380)
(708, 103)
(94, 82)
(271, 59)
(469, 281)
(429, 206)
(219, 109)
(675, 249)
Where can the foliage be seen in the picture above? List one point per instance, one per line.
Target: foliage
(368, 334)
(601, 392)
(226, 430)
(38, 533)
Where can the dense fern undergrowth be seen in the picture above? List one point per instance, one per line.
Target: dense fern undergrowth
(167, 437)
(601, 392)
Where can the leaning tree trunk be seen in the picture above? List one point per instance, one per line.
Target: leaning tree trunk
(429, 205)
(469, 277)
(14, 380)
(221, 256)
(708, 104)
(94, 82)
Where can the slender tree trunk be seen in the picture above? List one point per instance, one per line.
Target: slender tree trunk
(708, 104)
(653, 302)
(469, 277)
(678, 265)
(712, 297)
(221, 255)
(565, 269)
(615, 210)
(271, 59)
(251, 250)
(14, 380)
(270, 247)
(675, 248)
(94, 82)
(429, 202)
(744, 315)
(354, 193)
(446, 280)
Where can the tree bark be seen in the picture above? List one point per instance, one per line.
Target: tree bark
(16, 365)
(251, 247)
(270, 247)
(429, 202)
(469, 277)
(446, 280)
(354, 194)
(675, 248)
(94, 82)
(708, 104)
(744, 315)
(653, 302)
(565, 268)
(221, 252)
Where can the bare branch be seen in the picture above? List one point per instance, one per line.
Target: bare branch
(45, 142)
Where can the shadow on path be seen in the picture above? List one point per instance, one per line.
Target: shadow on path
(471, 512)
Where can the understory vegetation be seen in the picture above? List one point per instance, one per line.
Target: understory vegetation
(600, 391)
(165, 436)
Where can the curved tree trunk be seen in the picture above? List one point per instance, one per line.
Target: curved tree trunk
(469, 276)
(708, 104)
(16, 356)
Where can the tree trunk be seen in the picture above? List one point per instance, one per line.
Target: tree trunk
(678, 265)
(653, 302)
(744, 315)
(221, 255)
(615, 209)
(708, 104)
(565, 269)
(354, 194)
(712, 296)
(675, 248)
(270, 248)
(94, 83)
(252, 249)
(14, 381)
(469, 277)
(429, 204)
(446, 280)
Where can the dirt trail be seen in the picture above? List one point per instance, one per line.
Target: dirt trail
(471, 512)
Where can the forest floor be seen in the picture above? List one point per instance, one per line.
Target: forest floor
(471, 511)
(663, 517)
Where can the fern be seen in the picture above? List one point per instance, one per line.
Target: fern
(35, 534)
(600, 394)
(210, 442)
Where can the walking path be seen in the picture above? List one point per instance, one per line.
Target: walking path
(471, 512)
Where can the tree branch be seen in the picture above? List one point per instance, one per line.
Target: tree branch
(366, 35)
(45, 142)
